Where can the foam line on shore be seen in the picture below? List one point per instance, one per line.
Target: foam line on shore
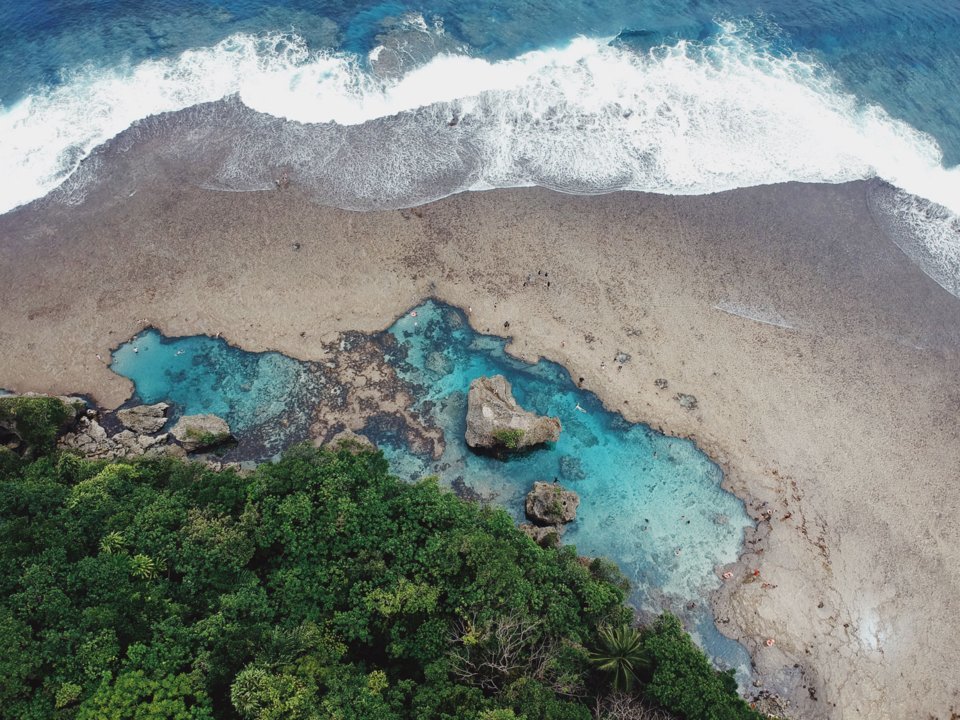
(692, 117)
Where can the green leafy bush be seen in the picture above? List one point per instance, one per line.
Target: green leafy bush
(35, 419)
(684, 682)
(316, 587)
(510, 438)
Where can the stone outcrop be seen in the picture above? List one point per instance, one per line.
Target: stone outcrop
(144, 418)
(543, 536)
(90, 439)
(496, 422)
(198, 432)
(550, 505)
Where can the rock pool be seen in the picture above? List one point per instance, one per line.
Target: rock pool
(651, 503)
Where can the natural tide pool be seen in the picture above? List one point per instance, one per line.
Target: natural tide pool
(651, 503)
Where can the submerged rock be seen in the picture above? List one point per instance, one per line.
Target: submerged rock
(197, 432)
(571, 468)
(144, 418)
(551, 505)
(350, 441)
(496, 421)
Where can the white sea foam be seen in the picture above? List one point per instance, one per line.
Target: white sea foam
(765, 316)
(689, 118)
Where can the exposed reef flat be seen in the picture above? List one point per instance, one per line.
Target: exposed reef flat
(840, 429)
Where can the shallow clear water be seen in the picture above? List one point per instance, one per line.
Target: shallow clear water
(651, 503)
(265, 397)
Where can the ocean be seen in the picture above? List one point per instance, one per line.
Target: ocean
(379, 105)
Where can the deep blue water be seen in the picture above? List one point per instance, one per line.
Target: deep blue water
(904, 56)
(650, 502)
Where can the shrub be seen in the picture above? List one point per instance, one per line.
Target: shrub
(684, 682)
(510, 438)
(35, 419)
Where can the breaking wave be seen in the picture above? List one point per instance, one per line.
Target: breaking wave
(594, 116)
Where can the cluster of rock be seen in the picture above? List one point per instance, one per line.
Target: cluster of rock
(141, 435)
(90, 439)
(549, 507)
(496, 422)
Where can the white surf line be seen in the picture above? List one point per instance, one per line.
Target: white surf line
(764, 317)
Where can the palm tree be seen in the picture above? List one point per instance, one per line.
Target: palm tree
(112, 543)
(621, 654)
(143, 567)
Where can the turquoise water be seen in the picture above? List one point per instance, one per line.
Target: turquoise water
(260, 395)
(649, 502)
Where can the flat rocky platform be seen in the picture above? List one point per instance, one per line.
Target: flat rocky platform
(833, 411)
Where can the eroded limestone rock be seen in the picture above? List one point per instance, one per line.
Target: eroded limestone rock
(496, 422)
(542, 536)
(551, 505)
(90, 439)
(350, 441)
(144, 418)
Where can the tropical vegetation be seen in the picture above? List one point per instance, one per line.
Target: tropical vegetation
(319, 586)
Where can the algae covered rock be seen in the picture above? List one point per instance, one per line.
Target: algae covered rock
(496, 422)
(545, 537)
(351, 442)
(197, 432)
(551, 504)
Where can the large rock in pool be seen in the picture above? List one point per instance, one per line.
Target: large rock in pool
(496, 422)
(196, 432)
(144, 419)
(551, 505)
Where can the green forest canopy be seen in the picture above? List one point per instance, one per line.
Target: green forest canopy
(316, 587)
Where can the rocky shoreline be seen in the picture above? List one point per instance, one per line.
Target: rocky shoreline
(837, 423)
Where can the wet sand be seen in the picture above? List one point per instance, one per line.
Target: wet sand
(825, 365)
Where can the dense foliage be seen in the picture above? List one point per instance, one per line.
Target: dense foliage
(315, 587)
(34, 420)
